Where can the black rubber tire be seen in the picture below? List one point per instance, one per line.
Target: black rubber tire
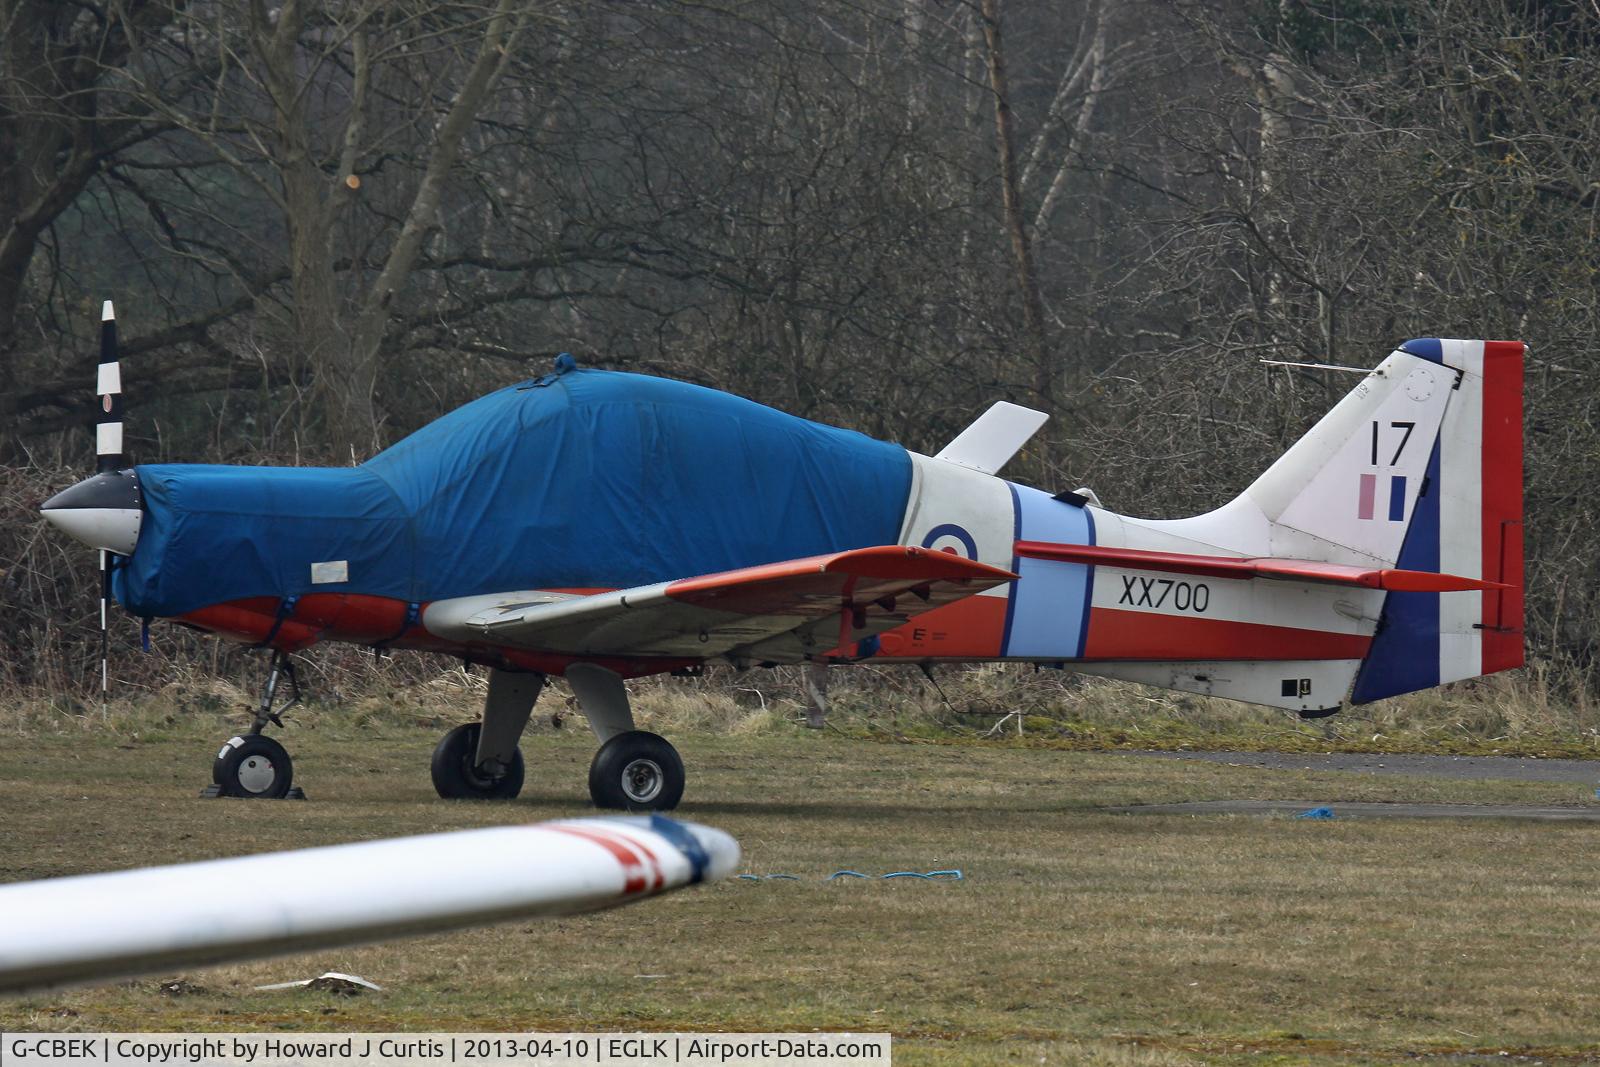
(253, 766)
(636, 771)
(456, 775)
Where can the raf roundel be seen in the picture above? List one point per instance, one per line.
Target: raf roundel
(948, 537)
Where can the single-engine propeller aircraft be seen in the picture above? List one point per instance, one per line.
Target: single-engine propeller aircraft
(602, 526)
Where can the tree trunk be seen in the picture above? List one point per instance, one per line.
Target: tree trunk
(497, 46)
(1011, 205)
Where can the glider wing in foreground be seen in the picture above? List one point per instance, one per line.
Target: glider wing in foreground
(98, 927)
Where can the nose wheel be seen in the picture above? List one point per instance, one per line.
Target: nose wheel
(253, 766)
(636, 771)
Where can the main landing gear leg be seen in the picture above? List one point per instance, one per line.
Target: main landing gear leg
(481, 761)
(634, 770)
(253, 765)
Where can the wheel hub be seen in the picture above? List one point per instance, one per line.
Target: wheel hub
(256, 773)
(481, 775)
(642, 780)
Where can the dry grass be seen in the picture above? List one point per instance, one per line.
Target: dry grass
(1077, 936)
(1525, 712)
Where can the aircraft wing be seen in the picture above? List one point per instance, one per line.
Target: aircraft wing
(778, 612)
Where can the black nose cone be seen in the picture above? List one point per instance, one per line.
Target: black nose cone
(103, 512)
(118, 490)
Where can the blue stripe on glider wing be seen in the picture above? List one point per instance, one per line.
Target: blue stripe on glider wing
(1405, 652)
(685, 841)
(1047, 613)
(1427, 348)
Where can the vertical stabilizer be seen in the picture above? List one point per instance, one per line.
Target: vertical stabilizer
(1349, 490)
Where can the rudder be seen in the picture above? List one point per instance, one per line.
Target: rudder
(1467, 521)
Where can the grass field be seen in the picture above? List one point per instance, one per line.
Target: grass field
(1076, 936)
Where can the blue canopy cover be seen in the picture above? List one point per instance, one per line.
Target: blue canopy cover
(585, 479)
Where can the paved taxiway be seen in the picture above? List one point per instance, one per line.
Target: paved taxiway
(1579, 772)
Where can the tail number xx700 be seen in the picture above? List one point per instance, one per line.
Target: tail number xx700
(1163, 592)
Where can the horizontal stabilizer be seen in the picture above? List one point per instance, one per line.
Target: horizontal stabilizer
(1293, 570)
(989, 443)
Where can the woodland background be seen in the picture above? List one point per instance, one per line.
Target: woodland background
(325, 223)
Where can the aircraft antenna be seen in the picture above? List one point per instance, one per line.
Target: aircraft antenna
(1315, 366)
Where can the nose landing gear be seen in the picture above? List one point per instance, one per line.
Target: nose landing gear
(252, 765)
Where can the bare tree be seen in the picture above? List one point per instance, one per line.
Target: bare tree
(1011, 205)
(64, 113)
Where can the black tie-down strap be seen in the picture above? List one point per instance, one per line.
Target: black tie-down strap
(413, 614)
(286, 608)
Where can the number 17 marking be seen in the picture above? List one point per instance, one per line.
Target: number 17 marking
(1406, 426)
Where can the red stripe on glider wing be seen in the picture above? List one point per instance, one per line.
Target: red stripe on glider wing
(639, 846)
(1502, 503)
(816, 585)
(1294, 570)
(1143, 635)
(625, 852)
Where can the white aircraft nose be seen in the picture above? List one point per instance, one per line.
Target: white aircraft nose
(102, 512)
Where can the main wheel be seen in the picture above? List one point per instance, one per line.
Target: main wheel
(636, 771)
(457, 776)
(253, 766)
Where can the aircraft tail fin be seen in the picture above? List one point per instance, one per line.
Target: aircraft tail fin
(1419, 468)
(1411, 487)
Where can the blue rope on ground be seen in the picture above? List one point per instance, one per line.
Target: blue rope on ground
(953, 875)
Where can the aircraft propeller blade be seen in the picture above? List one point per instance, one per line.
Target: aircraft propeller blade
(108, 384)
(109, 458)
(105, 629)
(104, 511)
